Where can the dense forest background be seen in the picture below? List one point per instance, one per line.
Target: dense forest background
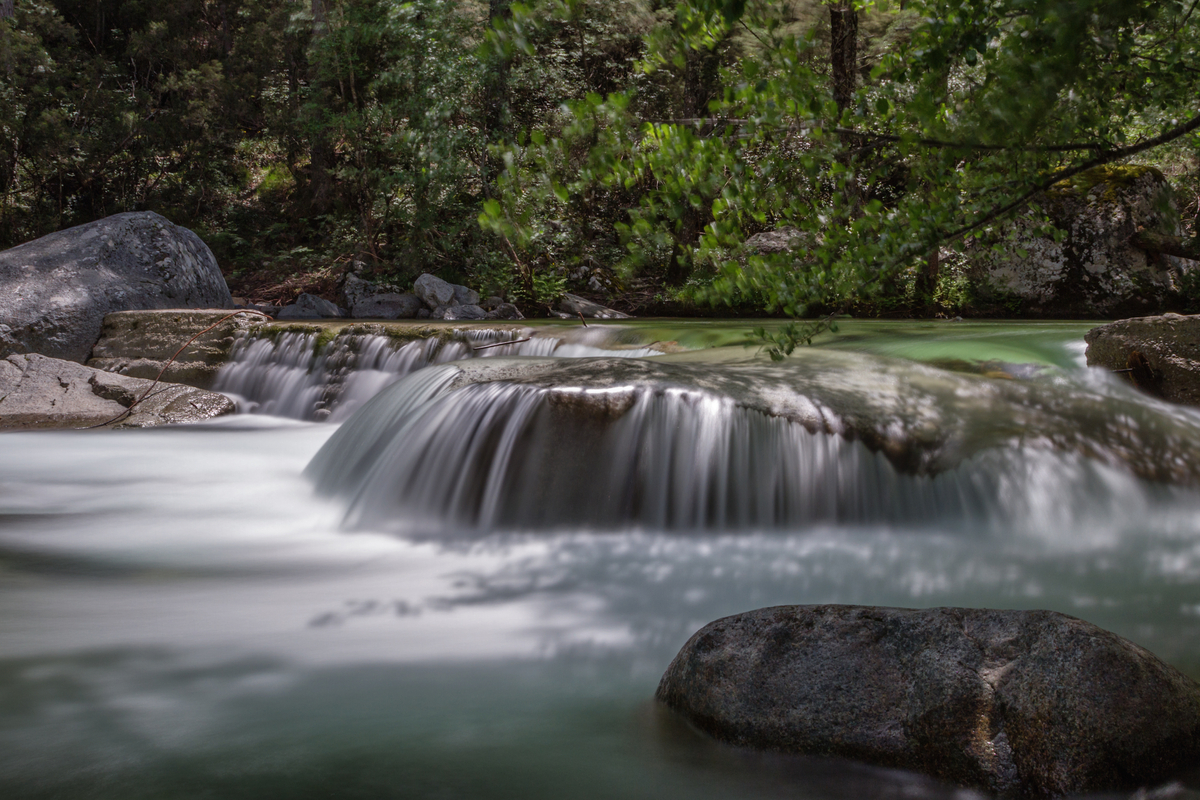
(618, 147)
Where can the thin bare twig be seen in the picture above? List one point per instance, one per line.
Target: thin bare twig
(500, 344)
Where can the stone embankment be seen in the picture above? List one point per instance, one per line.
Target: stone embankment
(1018, 703)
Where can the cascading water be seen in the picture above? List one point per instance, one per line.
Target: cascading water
(296, 375)
(504, 555)
(500, 455)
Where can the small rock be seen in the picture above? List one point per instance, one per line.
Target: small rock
(388, 306)
(490, 303)
(355, 290)
(424, 313)
(433, 291)
(464, 296)
(309, 306)
(464, 312)
(1030, 703)
(574, 305)
(504, 311)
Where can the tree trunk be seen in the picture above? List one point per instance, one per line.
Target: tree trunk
(320, 151)
(495, 103)
(6, 9)
(843, 51)
(1168, 245)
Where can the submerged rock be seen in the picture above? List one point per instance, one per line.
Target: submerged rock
(140, 343)
(1159, 355)
(37, 392)
(1030, 703)
(56, 290)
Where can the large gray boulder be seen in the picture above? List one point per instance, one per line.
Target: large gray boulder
(1160, 355)
(56, 290)
(433, 291)
(1030, 703)
(1097, 270)
(141, 343)
(37, 392)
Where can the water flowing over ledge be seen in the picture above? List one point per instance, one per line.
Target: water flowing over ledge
(519, 444)
(318, 377)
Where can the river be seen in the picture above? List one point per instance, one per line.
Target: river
(183, 616)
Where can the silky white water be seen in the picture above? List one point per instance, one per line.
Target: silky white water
(185, 617)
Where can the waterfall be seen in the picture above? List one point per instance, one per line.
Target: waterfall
(425, 456)
(297, 375)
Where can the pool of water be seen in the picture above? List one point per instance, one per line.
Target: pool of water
(183, 617)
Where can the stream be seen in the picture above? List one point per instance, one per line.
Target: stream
(376, 583)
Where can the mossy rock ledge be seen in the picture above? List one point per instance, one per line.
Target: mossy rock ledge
(1018, 703)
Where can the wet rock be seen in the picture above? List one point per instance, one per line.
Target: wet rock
(1160, 355)
(309, 306)
(573, 305)
(462, 313)
(1030, 703)
(56, 290)
(141, 343)
(1097, 270)
(433, 291)
(504, 311)
(389, 305)
(37, 392)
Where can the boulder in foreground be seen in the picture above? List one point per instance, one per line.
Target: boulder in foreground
(37, 392)
(1030, 703)
(56, 290)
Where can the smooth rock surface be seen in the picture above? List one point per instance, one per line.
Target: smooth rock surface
(574, 305)
(140, 343)
(433, 291)
(37, 392)
(388, 305)
(1169, 346)
(56, 290)
(1030, 703)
